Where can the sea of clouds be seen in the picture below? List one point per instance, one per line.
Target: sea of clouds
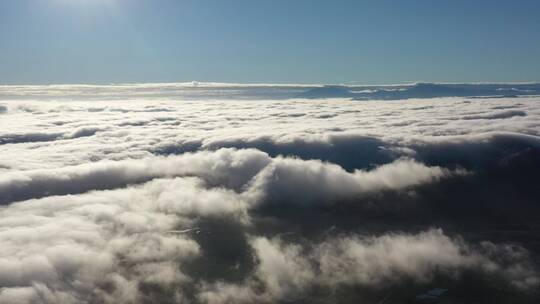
(206, 193)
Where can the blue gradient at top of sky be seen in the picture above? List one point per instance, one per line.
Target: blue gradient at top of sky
(294, 41)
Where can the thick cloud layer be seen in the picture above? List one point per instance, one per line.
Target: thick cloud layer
(147, 194)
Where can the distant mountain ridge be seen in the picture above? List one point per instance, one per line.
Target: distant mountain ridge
(227, 91)
(421, 90)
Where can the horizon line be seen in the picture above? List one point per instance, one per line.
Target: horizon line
(211, 84)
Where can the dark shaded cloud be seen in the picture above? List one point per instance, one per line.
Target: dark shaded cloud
(28, 138)
(84, 132)
(348, 150)
(498, 115)
(45, 137)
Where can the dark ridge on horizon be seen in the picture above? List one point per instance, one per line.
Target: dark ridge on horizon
(258, 91)
(422, 90)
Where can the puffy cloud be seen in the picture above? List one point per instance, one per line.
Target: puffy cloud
(288, 271)
(282, 268)
(109, 243)
(225, 167)
(93, 247)
(292, 180)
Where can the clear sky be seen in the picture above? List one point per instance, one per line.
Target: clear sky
(289, 41)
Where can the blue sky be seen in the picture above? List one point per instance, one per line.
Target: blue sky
(370, 42)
